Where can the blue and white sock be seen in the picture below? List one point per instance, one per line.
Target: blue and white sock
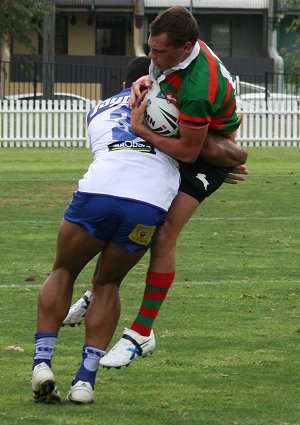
(44, 345)
(89, 366)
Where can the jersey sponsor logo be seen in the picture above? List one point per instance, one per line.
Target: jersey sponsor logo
(142, 234)
(202, 178)
(171, 97)
(131, 145)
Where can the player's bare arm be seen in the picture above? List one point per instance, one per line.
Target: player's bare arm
(186, 147)
(222, 152)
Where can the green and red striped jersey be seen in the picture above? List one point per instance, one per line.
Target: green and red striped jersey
(204, 93)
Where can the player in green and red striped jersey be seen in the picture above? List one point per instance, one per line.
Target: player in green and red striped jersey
(190, 75)
(203, 91)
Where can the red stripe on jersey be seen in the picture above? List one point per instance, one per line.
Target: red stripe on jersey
(189, 125)
(174, 80)
(226, 114)
(213, 74)
(188, 120)
(228, 94)
(158, 296)
(218, 124)
(148, 312)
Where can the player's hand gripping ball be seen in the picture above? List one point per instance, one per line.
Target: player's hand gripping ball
(161, 115)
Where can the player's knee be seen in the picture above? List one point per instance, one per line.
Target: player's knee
(112, 282)
(164, 243)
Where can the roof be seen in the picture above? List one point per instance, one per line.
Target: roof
(211, 4)
(90, 3)
(197, 4)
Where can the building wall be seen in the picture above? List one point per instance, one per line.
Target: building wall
(248, 34)
(81, 37)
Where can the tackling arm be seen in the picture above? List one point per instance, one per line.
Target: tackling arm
(222, 152)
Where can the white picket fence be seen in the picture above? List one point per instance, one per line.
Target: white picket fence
(63, 124)
(270, 128)
(57, 123)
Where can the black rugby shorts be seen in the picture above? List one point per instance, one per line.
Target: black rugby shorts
(201, 179)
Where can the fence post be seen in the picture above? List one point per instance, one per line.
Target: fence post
(2, 78)
(266, 88)
(35, 78)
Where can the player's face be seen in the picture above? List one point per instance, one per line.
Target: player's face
(164, 55)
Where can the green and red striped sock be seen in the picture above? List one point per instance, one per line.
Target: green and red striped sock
(157, 286)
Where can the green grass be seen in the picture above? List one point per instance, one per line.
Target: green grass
(228, 334)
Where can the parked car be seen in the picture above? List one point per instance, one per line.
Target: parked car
(254, 97)
(243, 87)
(39, 96)
(273, 102)
(36, 99)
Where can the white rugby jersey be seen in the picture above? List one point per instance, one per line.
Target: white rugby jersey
(124, 164)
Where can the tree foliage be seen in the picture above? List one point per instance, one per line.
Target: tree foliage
(19, 18)
(291, 56)
(292, 59)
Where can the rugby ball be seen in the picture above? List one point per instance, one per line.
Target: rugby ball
(161, 115)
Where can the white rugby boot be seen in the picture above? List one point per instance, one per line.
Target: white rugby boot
(81, 393)
(78, 310)
(131, 346)
(43, 385)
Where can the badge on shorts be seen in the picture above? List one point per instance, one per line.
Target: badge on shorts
(142, 234)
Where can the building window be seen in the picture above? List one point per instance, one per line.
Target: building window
(103, 41)
(220, 37)
(61, 35)
(110, 35)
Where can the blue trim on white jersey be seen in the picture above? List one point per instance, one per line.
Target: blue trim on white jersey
(121, 98)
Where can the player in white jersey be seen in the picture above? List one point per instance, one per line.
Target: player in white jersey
(119, 205)
(124, 164)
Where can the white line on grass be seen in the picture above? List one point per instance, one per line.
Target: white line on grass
(189, 283)
(191, 219)
(37, 180)
(74, 179)
(31, 222)
(242, 218)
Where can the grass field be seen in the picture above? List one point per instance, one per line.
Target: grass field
(228, 335)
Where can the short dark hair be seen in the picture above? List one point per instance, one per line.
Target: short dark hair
(136, 68)
(178, 22)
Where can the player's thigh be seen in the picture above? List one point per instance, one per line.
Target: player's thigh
(116, 262)
(75, 247)
(181, 210)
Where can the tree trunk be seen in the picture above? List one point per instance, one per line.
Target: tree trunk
(48, 54)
